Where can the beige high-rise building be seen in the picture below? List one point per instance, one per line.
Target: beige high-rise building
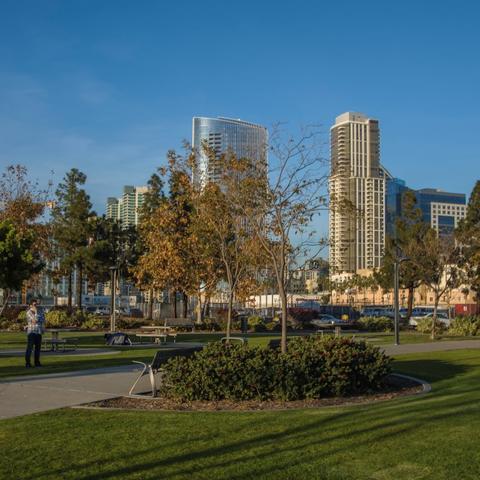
(357, 195)
(127, 208)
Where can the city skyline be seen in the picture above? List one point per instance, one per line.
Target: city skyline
(80, 88)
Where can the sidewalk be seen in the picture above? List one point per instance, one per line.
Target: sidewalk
(429, 347)
(38, 393)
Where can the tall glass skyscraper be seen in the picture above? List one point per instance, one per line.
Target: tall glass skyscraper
(244, 139)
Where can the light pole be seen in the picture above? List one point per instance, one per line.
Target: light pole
(396, 288)
(113, 316)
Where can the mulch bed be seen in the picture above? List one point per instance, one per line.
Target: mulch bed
(395, 387)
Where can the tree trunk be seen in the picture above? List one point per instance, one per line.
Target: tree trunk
(150, 305)
(69, 293)
(185, 305)
(283, 300)
(6, 295)
(199, 308)
(229, 314)
(411, 294)
(174, 295)
(434, 317)
(79, 285)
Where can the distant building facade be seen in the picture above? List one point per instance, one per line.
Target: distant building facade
(357, 195)
(244, 139)
(126, 209)
(440, 210)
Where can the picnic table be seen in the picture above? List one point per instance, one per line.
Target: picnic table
(158, 332)
(55, 341)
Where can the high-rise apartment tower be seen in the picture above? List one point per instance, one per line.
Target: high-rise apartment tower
(126, 209)
(357, 195)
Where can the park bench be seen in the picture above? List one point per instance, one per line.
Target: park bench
(160, 358)
(155, 336)
(63, 342)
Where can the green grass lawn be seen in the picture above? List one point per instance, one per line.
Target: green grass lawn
(12, 366)
(432, 436)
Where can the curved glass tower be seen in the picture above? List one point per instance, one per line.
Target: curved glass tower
(244, 139)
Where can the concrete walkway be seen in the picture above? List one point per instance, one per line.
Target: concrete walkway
(38, 393)
(429, 347)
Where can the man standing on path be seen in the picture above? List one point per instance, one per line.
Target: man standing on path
(35, 323)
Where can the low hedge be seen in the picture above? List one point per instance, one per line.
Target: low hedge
(375, 324)
(468, 326)
(424, 325)
(313, 367)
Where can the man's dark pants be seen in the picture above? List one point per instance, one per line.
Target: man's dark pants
(33, 340)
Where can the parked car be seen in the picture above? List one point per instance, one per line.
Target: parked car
(102, 310)
(326, 320)
(441, 317)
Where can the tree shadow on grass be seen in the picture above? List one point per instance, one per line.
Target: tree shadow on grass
(296, 439)
(430, 369)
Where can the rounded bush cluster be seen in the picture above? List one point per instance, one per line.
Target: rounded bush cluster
(465, 326)
(375, 324)
(313, 367)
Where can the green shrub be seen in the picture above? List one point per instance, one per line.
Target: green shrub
(95, 323)
(271, 326)
(57, 319)
(424, 325)
(465, 326)
(313, 367)
(12, 325)
(22, 316)
(375, 324)
(255, 323)
(131, 323)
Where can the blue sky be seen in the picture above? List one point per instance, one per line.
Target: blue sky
(110, 86)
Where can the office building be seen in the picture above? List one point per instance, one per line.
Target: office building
(441, 210)
(223, 135)
(126, 209)
(357, 195)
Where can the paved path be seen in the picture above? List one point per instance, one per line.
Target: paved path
(38, 393)
(429, 347)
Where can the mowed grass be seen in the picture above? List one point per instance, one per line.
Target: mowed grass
(57, 363)
(433, 436)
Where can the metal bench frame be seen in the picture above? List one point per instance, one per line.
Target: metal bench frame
(160, 358)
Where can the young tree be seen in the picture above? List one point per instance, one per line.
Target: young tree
(280, 204)
(72, 228)
(468, 237)
(221, 219)
(19, 259)
(22, 202)
(410, 231)
(177, 256)
(437, 258)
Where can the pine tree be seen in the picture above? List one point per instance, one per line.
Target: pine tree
(72, 228)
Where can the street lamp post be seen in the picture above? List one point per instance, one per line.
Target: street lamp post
(113, 290)
(396, 268)
(396, 288)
